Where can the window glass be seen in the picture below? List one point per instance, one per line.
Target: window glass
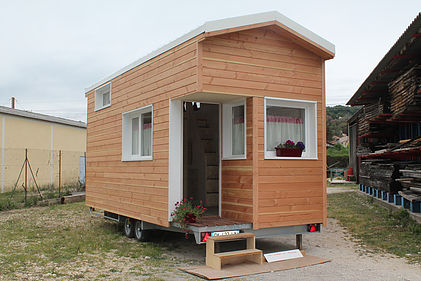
(282, 124)
(135, 136)
(146, 134)
(238, 130)
(106, 99)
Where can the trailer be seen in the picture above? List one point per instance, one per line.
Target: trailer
(200, 118)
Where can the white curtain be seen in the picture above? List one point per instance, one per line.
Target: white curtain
(281, 128)
(135, 136)
(238, 130)
(146, 134)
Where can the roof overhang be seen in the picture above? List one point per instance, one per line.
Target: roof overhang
(403, 55)
(42, 117)
(306, 37)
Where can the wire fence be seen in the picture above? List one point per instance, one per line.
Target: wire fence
(29, 169)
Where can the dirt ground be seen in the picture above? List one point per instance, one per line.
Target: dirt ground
(349, 261)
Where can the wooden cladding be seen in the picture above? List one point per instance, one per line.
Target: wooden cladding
(137, 189)
(254, 63)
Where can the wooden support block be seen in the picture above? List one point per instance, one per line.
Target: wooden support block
(299, 241)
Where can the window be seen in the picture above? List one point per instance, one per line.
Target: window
(294, 120)
(103, 97)
(137, 134)
(234, 130)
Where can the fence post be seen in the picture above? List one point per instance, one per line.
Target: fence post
(59, 173)
(26, 173)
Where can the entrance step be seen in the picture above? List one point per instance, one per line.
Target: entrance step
(217, 260)
(212, 199)
(212, 172)
(209, 146)
(212, 159)
(212, 186)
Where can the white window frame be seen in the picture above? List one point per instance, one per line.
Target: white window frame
(126, 149)
(227, 130)
(310, 109)
(99, 97)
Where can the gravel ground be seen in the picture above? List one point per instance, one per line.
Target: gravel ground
(349, 261)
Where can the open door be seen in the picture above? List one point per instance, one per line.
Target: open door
(201, 154)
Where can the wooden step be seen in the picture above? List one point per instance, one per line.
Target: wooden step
(212, 159)
(212, 199)
(212, 172)
(217, 260)
(212, 185)
(240, 256)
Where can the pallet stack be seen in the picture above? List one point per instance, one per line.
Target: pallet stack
(405, 91)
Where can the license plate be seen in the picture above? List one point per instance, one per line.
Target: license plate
(229, 232)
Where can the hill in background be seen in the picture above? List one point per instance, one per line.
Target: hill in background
(337, 120)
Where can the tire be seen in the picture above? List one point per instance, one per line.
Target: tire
(140, 233)
(129, 227)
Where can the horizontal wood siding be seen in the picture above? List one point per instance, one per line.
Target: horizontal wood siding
(262, 63)
(237, 179)
(137, 189)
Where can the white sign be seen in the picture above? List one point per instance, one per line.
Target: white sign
(284, 255)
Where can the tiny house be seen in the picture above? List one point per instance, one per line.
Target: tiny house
(201, 117)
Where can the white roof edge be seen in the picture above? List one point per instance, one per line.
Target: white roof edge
(221, 25)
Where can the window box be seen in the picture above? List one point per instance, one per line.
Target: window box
(137, 137)
(288, 152)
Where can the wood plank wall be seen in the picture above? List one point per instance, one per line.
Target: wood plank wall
(261, 62)
(137, 189)
(237, 178)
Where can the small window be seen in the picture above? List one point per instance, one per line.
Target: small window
(234, 130)
(103, 97)
(137, 134)
(293, 120)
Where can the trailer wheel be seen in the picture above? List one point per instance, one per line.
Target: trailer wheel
(129, 227)
(139, 233)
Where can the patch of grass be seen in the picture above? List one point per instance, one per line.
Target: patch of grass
(16, 200)
(65, 236)
(377, 228)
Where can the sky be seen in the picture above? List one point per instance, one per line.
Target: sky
(50, 51)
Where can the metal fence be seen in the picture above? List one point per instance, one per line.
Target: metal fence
(29, 168)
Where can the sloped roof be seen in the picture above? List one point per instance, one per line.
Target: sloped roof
(403, 55)
(229, 23)
(42, 117)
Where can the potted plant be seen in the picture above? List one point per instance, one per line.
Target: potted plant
(186, 211)
(290, 149)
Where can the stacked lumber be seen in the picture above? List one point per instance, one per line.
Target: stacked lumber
(380, 174)
(362, 150)
(405, 91)
(368, 113)
(411, 177)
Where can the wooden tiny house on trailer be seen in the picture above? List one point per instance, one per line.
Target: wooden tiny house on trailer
(201, 117)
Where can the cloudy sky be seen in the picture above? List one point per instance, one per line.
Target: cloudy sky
(50, 51)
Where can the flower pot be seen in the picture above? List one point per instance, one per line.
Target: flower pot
(190, 218)
(288, 152)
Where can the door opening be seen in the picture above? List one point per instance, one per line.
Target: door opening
(201, 154)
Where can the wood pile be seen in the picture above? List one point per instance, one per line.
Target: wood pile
(411, 177)
(369, 112)
(405, 91)
(380, 174)
(362, 150)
